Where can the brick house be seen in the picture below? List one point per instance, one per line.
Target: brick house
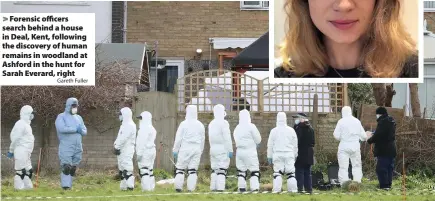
(191, 35)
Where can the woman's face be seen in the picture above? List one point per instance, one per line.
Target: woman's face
(342, 21)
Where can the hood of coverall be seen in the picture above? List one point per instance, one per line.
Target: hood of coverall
(69, 103)
(219, 112)
(146, 119)
(127, 115)
(244, 116)
(191, 112)
(281, 119)
(346, 111)
(25, 113)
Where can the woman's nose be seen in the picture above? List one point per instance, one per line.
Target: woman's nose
(344, 5)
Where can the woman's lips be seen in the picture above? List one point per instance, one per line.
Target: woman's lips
(343, 24)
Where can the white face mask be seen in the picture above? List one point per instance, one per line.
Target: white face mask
(297, 121)
(378, 115)
(74, 110)
(31, 116)
(120, 117)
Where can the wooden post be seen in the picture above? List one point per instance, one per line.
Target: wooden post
(424, 113)
(403, 177)
(221, 64)
(260, 96)
(314, 120)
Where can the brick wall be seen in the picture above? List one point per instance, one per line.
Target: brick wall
(265, 122)
(98, 144)
(430, 17)
(326, 143)
(97, 147)
(182, 27)
(368, 116)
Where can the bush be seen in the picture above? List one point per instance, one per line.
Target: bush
(160, 174)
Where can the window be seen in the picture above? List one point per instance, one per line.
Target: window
(429, 6)
(254, 5)
(167, 79)
(57, 3)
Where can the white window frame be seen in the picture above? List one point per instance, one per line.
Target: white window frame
(260, 6)
(54, 3)
(429, 9)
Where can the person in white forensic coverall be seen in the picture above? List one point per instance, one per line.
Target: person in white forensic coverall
(282, 151)
(349, 132)
(221, 148)
(188, 147)
(146, 151)
(124, 148)
(247, 139)
(22, 141)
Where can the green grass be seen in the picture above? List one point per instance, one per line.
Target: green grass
(104, 184)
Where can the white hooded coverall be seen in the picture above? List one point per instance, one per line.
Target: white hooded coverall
(220, 146)
(282, 148)
(146, 151)
(125, 142)
(22, 142)
(349, 132)
(247, 137)
(189, 144)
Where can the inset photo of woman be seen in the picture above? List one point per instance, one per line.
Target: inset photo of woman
(346, 39)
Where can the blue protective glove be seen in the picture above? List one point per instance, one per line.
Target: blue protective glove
(10, 155)
(175, 155)
(269, 160)
(230, 154)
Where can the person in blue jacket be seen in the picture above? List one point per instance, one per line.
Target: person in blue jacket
(70, 129)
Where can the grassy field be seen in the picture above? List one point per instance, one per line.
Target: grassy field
(100, 186)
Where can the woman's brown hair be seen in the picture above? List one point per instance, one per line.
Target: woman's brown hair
(386, 45)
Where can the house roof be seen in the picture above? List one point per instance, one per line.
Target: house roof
(224, 43)
(255, 54)
(129, 54)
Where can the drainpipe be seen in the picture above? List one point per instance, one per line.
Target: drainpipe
(209, 58)
(124, 30)
(156, 44)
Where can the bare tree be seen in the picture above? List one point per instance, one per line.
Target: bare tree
(383, 94)
(415, 101)
(379, 92)
(390, 92)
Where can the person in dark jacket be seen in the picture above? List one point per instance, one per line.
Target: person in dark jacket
(305, 158)
(384, 140)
